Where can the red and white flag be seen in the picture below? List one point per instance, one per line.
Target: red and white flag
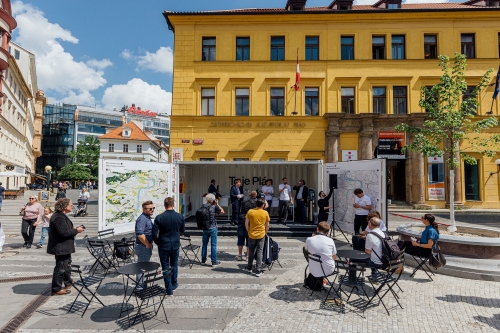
(297, 76)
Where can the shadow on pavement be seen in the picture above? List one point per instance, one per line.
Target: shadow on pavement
(30, 288)
(479, 301)
(493, 322)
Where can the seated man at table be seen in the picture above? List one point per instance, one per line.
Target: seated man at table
(323, 246)
(358, 241)
(373, 245)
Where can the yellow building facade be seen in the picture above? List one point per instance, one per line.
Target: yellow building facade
(361, 71)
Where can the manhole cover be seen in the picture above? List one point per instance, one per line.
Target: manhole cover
(11, 236)
(6, 254)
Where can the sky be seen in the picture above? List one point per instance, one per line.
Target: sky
(110, 53)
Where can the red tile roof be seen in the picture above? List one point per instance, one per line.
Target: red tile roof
(136, 133)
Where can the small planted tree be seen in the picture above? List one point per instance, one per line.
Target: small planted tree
(85, 160)
(451, 121)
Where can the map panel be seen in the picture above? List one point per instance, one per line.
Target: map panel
(127, 185)
(368, 175)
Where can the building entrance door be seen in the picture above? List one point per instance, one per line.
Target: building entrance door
(397, 180)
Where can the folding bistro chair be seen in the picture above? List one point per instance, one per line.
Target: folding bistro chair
(316, 258)
(123, 252)
(387, 278)
(190, 248)
(82, 287)
(102, 254)
(105, 233)
(422, 265)
(153, 290)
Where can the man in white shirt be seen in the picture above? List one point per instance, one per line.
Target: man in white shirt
(362, 205)
(285, 200)
(358, 241)
(268, 191)
(323, 246)
(373, 245)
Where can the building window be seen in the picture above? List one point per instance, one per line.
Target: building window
(430, 47)
(469, 93)
(277, 48)
(312, 48)
(379, 100)
(347, 100)
(17, 54)
(347, 48)
(400, 100)
(312, 101)
(471, 173)
(242, 48)
(468, 45)
(208, 159)
(241, 159)
(207, 101)
(208, 53)
(242, 101)
(277, 102)
(378, 47)
(111, 147)
(139, 148)
(392, 6)
(398, 47)
(125, 148)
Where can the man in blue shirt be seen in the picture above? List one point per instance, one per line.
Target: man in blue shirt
(144, 236)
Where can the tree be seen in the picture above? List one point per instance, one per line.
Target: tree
(451, 122)
(85, 159)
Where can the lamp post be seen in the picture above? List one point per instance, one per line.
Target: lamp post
(49, 172)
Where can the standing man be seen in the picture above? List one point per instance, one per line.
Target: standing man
(62, 244)
(236, 197)
(301, 195)
(2, 195)
(211, 233)
(362, 205)
(268, 191)
(168, 227)
(248, 204)
(285, 200)
(257, 225)
(212, 188)
(144, 236)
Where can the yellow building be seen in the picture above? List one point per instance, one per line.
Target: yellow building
(361, 70)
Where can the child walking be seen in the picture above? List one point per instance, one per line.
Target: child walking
(47, 214)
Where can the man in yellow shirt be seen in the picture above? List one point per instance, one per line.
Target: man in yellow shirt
(257, 225)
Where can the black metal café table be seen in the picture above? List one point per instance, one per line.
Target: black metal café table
(130, 271)
(352, 254)
(353, 258)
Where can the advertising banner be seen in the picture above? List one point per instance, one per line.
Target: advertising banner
(125, 185)
(435, 178)
(390, 144)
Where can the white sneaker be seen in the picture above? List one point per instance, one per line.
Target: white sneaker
(259, 273)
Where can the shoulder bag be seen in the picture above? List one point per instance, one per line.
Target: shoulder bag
(437, 258)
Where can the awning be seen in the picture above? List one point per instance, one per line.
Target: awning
(12, 174)
(38, 176)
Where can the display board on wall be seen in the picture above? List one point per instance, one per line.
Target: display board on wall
(349, 155)
(368, 175)
(125, 185)
(390, 144)
(435, 178)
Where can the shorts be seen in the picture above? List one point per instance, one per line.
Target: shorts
(242, 235)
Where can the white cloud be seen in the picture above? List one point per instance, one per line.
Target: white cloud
(161, 61)
(147, 96)
(99, 64)
(57, 70)
(126, 54)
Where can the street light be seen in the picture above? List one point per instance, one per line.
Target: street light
(49, 172)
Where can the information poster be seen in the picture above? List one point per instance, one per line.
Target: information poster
(390, 144)
(435, 178)
(368, 175)
(125, 185)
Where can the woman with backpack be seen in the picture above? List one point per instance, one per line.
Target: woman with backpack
(428, 239)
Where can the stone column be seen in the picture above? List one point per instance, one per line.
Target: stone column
(332, 146)
(365, 145)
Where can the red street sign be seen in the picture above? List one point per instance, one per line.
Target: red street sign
(197, 141)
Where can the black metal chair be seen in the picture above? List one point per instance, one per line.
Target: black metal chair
(190, 248)
(102, 254)
(354, 282)
(422, 265)
(82, 287)
(150, 292)
(316, 258)
(105, 233)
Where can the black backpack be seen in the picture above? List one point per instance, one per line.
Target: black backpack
(270, 252)
(390, 249)
(203, 217)
(122, 251)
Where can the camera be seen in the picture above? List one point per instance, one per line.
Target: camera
(260, 194)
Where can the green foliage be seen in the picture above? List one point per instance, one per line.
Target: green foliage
(450, 118)
(85, 159)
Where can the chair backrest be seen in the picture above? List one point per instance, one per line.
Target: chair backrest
(105, 233)
(186, 238)
(155, 276)
(75, 269)
(306, 254)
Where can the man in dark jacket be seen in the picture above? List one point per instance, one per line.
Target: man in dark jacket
(62, 244)
(167, 230)
(301, 199)
(236, 196)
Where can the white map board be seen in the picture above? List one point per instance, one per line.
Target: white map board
(368, 175)
(125, 185)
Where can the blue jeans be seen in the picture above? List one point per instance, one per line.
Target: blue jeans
(242, 235)
(209, 234)
(302, 210)
(169, 259)
(45, 230)
(143, 255)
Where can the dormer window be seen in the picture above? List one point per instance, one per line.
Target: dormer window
(388, 4)
(126, 132)
(392, 6)
(341, 4)
(295, 5)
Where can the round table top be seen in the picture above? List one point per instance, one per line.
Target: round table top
(138, 268)
(352, 254)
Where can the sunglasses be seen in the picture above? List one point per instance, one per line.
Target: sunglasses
(151, 208)
(32, 198)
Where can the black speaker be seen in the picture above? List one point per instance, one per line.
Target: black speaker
(333, 181)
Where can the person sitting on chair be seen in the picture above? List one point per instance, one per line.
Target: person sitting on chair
(323, 246)
(358, 241)
(427, 242)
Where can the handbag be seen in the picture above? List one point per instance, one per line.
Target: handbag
(23, 210)
(437, 258)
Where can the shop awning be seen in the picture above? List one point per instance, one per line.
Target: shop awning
(12, 174)
(34, 175)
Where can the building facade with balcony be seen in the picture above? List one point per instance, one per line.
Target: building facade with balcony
(361, 73)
